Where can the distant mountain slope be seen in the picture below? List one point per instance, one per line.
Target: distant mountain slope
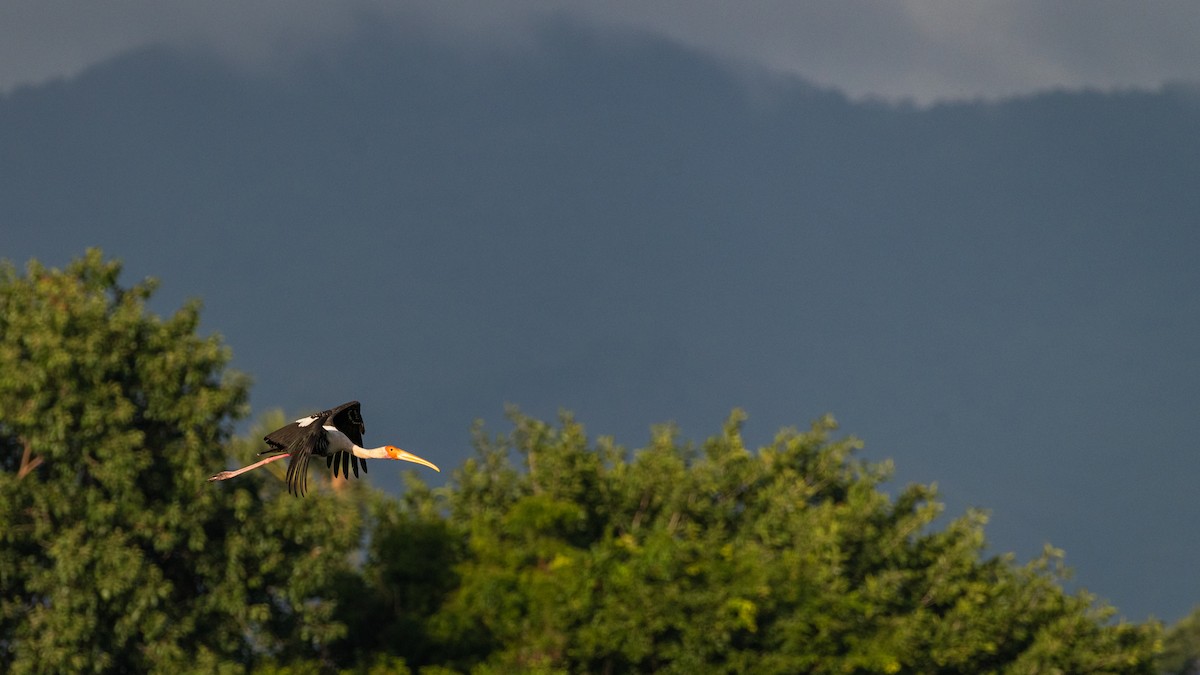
(1000, 296)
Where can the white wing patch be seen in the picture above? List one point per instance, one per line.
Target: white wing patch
(305, 421)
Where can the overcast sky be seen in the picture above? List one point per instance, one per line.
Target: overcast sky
(1001, 298)
(923, 50)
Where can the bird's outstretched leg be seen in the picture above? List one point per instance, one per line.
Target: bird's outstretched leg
(224, 475)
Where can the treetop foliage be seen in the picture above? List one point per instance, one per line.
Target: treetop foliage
(116, 555)
(789, 559)
(547, 551)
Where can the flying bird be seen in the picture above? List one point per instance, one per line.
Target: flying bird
(334, 434)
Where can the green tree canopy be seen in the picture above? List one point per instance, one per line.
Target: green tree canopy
(116, 555)
(717, 559)
(1181, 647)
(546, 552)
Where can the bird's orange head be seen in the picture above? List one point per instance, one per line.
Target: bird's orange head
(396, 453)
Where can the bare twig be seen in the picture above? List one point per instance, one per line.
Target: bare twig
(637, 517)
(27, 464)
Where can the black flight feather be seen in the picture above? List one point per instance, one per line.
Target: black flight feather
(302, 442)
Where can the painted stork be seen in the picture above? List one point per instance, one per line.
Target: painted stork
(334, 434)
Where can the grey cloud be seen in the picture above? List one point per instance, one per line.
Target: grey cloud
(936, 49)
(923, 50)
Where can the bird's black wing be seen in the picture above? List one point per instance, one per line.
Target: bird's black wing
(301, 439)
(288, 435)
(315, 443)
(347, 418)
(340, 461)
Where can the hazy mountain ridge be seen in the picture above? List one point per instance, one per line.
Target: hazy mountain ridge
(617, 225)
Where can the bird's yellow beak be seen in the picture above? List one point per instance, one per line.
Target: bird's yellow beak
(397, 453)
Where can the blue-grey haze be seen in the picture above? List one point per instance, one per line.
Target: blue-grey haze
(1001, 297)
